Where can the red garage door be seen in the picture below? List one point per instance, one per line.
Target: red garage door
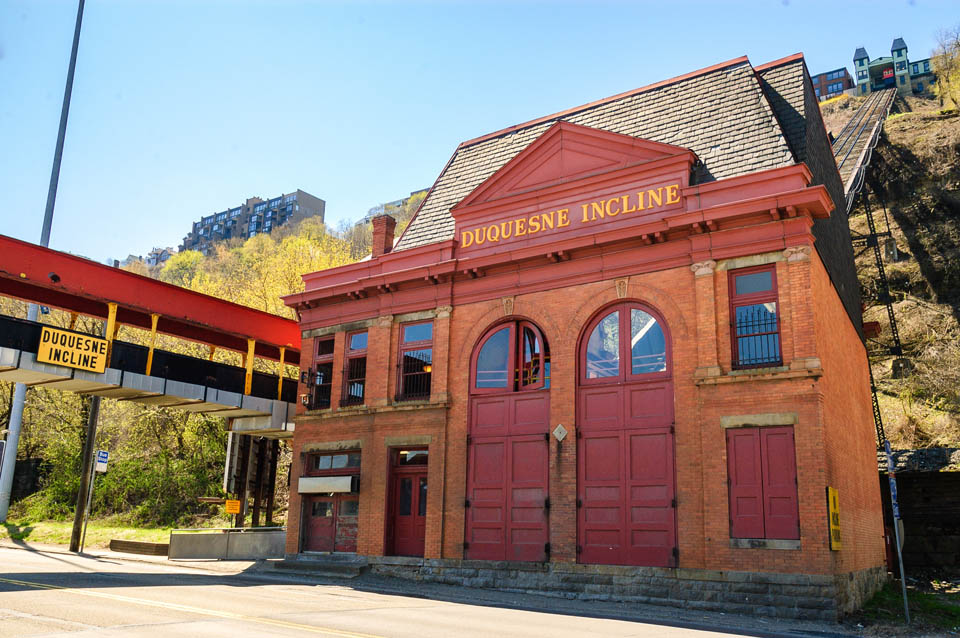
(507, 464)
(625, 454)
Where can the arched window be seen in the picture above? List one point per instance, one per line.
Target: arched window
(511, 357)
(623, 342)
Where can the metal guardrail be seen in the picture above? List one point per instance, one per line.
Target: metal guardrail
(227, 543)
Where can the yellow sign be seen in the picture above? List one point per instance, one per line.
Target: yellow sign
(644, 202)
(72, 349)
(233, 507)
(833, 507)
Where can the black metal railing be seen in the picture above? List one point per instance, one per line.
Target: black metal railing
(756, 333)
(416, 369)
(355, 382)
(130, 357)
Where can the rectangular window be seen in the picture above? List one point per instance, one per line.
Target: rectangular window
(916, 68)
(355, 372)
(762, 483)
(926, 67)
(903, 79)
(901, 66)
(322, 375)
(416, 361)
(754, 323)
(334, 463)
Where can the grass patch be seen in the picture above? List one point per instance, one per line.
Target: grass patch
(99, 533)
(928, 610)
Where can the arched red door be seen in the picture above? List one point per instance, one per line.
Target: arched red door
(508, 446)
(625, 449)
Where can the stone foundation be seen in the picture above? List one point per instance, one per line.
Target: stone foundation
(802, 596)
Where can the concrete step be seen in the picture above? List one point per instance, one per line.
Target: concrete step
(333, 565)
(139, 547)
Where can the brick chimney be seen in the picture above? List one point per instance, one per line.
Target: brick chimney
(383, 226)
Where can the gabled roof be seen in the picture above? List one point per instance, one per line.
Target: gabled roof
(898, 44)
(860, 54)
(720, 113)
(564, 153)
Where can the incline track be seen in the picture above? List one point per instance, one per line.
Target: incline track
(853, 146)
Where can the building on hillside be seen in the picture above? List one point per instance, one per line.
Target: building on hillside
(251, 218)
(832, 83)
(617, 352)
(158, 256)
(896, 71)
(388, 208)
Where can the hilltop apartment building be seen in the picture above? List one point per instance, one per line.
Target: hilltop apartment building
(254, 216)
(895, 71)
(832, 83)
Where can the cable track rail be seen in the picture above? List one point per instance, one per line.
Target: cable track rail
(857, 140)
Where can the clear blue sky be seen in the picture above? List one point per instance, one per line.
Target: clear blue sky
(182, 108)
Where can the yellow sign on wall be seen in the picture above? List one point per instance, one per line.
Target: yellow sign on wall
(72, 349)
(833, 508)
(233, 506)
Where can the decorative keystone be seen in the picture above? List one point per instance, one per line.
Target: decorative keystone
(797, 253)
(621, 285)
(703, 268)
(507, 306)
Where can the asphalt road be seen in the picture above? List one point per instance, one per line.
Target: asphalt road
(58, 594)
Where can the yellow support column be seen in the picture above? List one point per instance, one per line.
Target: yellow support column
(111, 330)
(73, 320)
(283, 351)
(153, 340)
(248, 363)
(212, 350)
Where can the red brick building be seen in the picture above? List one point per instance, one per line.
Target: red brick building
(616, 353)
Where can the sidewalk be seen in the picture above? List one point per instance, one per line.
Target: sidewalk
(265, 572)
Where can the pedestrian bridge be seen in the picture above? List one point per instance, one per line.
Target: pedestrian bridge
(255, 403)
(175, 381)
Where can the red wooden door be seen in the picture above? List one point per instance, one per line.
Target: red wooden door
(409, 512)
(320, 524)
(625, 451)
(507, 477)
(332, 523)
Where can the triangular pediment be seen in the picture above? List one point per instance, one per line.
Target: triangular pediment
(566, 152)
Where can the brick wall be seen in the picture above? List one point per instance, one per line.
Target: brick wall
(694, 306)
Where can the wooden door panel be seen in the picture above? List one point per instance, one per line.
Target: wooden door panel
(531, 414)
(600, 408)
(320, 527)
(489, 416)
(648, 405)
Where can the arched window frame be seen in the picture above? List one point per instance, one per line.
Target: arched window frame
(514, 358)
(625, 351)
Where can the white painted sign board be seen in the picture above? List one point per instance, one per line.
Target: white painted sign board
(101, 466)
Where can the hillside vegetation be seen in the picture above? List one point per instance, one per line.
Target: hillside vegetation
(914, 184)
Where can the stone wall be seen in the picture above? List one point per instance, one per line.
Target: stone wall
(801, 596)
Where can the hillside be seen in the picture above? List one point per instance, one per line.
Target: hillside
(915, 176)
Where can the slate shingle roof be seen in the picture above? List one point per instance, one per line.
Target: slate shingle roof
(721, 114)
(898, 44)
(860, 53)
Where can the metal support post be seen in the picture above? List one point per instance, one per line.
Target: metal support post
(241, 486)
(272, 481)
(86, 511)
(258, 481)
(895, 508)
(88, 448)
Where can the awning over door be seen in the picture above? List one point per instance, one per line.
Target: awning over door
(328, 484)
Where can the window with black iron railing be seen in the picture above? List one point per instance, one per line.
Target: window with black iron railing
(415, 368)
(355, 372)
(754, 318)
(321, 376)
(757, 335)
